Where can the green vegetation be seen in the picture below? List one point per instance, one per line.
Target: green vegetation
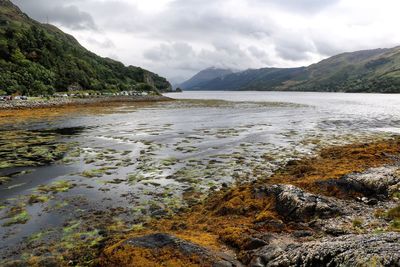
(56, 187)
(97, 172)
(39, 59)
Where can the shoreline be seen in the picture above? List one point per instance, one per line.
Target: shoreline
(61, 102)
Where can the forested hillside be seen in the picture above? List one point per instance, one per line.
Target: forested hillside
(38, 59)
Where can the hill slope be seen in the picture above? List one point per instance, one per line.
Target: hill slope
(39, 58)
(362, 71)
(203, 77)
(375, 70)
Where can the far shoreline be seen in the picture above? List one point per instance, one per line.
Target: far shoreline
(62, 102)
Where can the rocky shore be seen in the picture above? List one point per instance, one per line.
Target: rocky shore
(340, 208)
(58, 102)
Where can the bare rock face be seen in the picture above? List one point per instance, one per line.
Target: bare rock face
(351, 250)
(159, 241)
(294, 204)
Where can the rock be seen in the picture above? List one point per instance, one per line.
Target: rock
(254, 243)
(335, 231)
(372, 201)
(159, 241)
(351, 250)
(374, 183)
(302, 233)
(294, 204)
(277, 225)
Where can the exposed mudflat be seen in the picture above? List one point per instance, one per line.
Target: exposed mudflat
(75, 181)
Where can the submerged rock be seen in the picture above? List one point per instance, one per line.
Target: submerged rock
(350, 250)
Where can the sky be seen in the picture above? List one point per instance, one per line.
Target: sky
(178, 38)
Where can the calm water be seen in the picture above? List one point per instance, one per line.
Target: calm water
(149, 160)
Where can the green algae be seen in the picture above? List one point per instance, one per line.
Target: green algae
(33, 199)
(56, 187)
(71, 227)
(97, 172)
(39, 236)
(19, 148)
(4, 179)
(17, 215)
(167, 162)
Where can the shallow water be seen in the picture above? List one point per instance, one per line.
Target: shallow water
(149, 160)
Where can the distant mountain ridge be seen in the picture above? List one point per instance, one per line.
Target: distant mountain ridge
(38, 59)
(204, 76)
(376, 70)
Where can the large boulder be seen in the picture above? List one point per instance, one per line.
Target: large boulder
(374, 183)
(351, 250)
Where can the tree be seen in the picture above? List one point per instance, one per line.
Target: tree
(38, 88)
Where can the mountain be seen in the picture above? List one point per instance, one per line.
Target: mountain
(203, 77)
(252, 79)
(375, 70)
(38, 58)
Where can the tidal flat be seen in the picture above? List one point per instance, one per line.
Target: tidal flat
(73, 178)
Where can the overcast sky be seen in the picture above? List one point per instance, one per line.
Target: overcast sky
(177, 38)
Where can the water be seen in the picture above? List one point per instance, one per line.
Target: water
(136, 161)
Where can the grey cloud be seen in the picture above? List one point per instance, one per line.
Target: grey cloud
(260, 54)
(172, 51)
(303, 6)
(181, 20)
(196, 18)
(293, 46)
(106, 43)
(59, 12)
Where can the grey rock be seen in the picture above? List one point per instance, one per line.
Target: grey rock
(255, 243)
(374, 183)
(351, 250)
(302, 233)
(294, 204)
(335, 231)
